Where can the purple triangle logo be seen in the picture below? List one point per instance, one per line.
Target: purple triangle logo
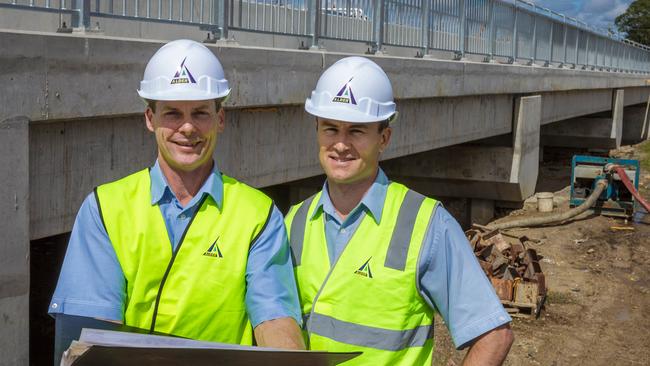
(345, 95)
(183, 75)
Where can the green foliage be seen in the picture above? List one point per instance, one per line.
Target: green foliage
(636, 21)
(644, 147)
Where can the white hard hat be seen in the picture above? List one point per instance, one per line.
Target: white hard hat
(355, 90)
(183, 70)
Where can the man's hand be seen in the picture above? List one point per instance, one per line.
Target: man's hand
(491, 348)
(279, 333)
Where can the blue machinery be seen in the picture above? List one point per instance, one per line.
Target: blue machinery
(616, 200)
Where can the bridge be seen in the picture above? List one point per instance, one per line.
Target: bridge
(480, 92)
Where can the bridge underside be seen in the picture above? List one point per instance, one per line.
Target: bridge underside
(72, 120)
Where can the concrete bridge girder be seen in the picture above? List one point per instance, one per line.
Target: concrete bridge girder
(597, 131)
(504, 173)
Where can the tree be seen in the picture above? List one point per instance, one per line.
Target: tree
(635, 22)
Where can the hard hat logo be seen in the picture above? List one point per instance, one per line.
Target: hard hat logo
(372, 100)
(183, 75)
(345, 95)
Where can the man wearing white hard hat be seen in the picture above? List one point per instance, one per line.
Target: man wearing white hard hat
(180, 248)
(374, 260)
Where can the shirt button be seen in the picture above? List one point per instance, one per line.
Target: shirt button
(55, 305)
(343, 231)
(182, 217)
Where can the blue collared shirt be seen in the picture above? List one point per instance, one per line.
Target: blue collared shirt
(92, 283)
(450, 278)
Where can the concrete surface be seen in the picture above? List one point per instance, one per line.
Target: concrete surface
(14, 250)
(635, 123)
(507, 173)
(603, 130)
(63, 76)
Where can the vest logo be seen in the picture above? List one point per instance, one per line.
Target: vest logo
(183, 75)
(345, 94)
(364, 270)
(214, 250)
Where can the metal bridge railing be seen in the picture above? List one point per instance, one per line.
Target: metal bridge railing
(512, 29)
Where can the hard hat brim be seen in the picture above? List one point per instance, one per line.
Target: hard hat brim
(349, 115)
(183, 95)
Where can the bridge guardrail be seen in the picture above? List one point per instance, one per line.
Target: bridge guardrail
(512, 29)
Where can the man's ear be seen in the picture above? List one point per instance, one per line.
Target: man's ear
(221, 120)
(148, 117)
(386, 133)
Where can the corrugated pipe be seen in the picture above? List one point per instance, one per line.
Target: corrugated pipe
(601, 185)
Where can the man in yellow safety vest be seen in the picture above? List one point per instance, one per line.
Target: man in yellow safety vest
(180, 248)
(373, 259)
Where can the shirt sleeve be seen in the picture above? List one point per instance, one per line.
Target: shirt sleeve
(452, 281)
(271, 287)
(91, 282)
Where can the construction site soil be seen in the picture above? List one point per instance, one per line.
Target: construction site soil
(598, 279)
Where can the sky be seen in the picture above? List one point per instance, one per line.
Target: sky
(600, 13)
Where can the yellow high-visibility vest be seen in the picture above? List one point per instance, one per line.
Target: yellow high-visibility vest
(197, 291)
(369, 300)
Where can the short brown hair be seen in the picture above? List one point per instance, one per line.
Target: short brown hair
(384, 124)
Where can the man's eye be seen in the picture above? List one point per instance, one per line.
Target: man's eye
(356, 132)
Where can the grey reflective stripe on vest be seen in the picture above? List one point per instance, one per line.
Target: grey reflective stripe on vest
(401, 239)
(361, 335)
(298, 223)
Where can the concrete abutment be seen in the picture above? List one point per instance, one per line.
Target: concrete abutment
(14, 251)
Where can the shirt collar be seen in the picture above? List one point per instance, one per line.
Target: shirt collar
(212, 186)
(372, 201)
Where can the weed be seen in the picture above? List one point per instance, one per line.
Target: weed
(553, 297)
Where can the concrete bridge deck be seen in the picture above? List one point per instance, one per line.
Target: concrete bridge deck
(71, 119)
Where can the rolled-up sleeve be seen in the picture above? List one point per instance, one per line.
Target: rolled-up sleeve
(452, 281)
(271, 287)
(91, 282)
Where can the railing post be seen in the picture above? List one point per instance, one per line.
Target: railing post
(566, 29)
(314, 16)
(611, 54)
(533, 55)
(618, 57)
(550, 42)
(514, 36)
(575, 65)
(81, 15)
(217, 21)
(426, 27)
(461, 29)
(587, 51)
(378, 24)
(491, 32)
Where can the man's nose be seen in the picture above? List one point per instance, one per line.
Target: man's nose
(341, 146)
(186, 127)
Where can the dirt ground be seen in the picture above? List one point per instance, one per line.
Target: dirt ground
(598, 279)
